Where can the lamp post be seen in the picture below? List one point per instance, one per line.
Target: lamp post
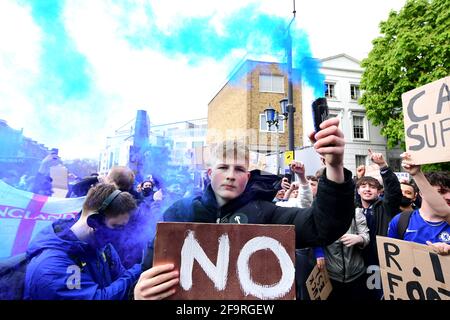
(272, 118)
(289, 104)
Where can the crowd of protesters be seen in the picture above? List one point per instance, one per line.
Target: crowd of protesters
(337, 216)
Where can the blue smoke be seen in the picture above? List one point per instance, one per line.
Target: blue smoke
(65, 69)
(258, 33)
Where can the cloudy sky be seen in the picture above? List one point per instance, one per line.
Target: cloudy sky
(72, 71)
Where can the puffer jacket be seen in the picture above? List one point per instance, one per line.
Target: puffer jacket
(345, 264)
(64, 267)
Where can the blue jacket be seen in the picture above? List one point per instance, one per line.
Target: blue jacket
(63, 267)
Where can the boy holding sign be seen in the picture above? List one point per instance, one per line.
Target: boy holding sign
(429, 224)
(237, 196)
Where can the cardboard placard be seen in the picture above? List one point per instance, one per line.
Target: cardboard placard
(59, 175)
(373, 170)
(402, 176)
(426, 115)
(228, 261)
(318, 284)
(412, 271)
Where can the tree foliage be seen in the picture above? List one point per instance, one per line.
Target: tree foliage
(413, 50)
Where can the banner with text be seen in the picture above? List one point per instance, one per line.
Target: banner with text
(23, 214)
(229, 261)
(412, 271)
(426, 115)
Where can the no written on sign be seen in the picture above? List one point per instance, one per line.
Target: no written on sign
(228, 261)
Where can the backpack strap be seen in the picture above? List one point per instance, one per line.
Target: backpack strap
(403, 223)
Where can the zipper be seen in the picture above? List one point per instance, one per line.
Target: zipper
(343, 261)
(219, 213)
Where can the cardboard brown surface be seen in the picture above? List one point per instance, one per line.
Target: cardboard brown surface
(318, 284)
(264, 269)
(412, 271)
(426, 115)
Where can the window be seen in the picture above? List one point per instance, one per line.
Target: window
(180, 145)
(360, 160)
(329, 90)
(271, 83)
(197, 144)
(263, 127)
(354, 92)
(358, 127)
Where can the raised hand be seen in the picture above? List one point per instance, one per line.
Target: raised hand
(377, 158)
(329, 142)
(408, 165)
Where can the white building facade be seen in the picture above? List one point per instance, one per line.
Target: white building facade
(342, 90)
(180, 137)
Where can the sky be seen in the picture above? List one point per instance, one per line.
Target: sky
(73, 71)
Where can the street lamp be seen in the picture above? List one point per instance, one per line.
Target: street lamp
(272, 118)
(284, 107)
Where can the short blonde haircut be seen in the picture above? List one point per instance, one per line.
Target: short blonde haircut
(228, 152)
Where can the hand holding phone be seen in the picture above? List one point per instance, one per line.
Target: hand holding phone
(320, 112)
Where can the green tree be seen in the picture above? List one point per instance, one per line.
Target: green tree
(413, 50)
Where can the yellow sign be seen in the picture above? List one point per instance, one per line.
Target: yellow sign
(288, 157)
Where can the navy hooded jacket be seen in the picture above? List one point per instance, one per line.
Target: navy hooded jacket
(64, 267)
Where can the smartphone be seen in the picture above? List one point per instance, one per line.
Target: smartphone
(288, 176)
(320, 112)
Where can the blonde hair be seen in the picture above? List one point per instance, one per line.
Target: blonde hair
(230, 151)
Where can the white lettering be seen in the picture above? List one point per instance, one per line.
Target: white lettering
(74, 281)
(276, 290)
(374, 280)
(192, 250)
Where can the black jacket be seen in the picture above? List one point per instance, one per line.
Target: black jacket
(383, 210)
(327, 219)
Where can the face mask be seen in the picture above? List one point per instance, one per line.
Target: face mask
(405, 202)
(147, 192)
(104, 235)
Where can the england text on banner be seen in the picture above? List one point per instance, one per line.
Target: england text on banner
(23, 214)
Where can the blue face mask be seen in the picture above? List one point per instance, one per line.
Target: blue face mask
(104, 235)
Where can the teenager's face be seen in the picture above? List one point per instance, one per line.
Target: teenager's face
(408, 191)
(444, 192)
(368, 192)
(118, 222)
(228, 181)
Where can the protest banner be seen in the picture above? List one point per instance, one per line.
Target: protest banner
(229, 261)
(318, 284)
(426, 116)
(23, 214)
(373, 170)
(412, 271)
(403, 176)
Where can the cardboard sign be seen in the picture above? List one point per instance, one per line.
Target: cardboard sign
(229, 261)
(318, 284)
(402, 176)
(59, 176)
(426, 113)
(373, 170)
(412, 271)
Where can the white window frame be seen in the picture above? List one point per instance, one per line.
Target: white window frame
(330, 83)
(262, 122)
(270, 78)
(365, 124)
(359, 92)
(362, 156)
